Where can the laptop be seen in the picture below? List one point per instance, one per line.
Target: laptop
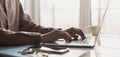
(88, 42)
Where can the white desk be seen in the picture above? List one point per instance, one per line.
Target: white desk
(110, 47)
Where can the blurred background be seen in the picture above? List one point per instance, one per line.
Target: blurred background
(75, 13)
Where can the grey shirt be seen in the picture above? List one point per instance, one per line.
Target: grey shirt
(16, 27)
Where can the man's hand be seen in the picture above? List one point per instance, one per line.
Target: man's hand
(74, 32)
(55, 35)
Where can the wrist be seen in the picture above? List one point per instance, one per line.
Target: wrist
(44, 38)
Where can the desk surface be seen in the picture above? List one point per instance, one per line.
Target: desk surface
(110, 47)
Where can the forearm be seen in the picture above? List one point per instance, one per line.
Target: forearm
(19, 38)
(44, 30)
(40, 29)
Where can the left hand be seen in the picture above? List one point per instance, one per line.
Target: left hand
(75, 32)
(55, 35)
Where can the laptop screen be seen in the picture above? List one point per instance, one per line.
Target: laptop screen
(102, 18)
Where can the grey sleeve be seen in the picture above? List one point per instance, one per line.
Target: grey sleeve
(19, 38)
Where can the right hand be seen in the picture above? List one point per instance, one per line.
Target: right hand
(55, 35)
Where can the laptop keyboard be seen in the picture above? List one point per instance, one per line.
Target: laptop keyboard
(80, 41)
(86, 43)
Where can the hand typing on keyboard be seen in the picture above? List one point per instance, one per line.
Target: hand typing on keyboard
(63, 34)
(75, 32)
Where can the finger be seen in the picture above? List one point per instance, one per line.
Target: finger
(68, 38)
(75, 37)
(80, 32)
(65, 39)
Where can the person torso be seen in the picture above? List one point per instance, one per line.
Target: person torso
(9, 14)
